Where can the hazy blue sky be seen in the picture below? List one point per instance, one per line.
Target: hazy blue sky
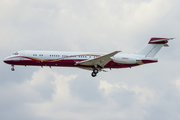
(148, 92)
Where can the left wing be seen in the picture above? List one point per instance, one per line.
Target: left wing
(100, 61)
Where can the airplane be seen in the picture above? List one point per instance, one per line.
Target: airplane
(93, 61)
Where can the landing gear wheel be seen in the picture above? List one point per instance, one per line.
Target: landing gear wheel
(12, 69)
(93, 74)
(95, 70)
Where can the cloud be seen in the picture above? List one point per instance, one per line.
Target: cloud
(89, 23)
(176, 83)
(40, 88)
(121, 101)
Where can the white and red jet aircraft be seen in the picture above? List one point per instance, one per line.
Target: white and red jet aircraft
(87, 60)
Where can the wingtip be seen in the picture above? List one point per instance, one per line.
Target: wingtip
(171, 38)
(118, 51)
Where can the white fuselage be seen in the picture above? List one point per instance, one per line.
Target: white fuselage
(69, 59)
(88, 60)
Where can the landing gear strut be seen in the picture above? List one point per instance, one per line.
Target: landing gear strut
(94, 73)
(12, 68)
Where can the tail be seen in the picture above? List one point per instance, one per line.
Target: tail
(153, 47)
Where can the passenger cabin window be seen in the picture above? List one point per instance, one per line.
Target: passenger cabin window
(64, 55)
(55, 55)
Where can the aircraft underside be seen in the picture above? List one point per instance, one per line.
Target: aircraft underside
(70, 63)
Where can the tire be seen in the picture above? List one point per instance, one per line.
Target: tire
(95, 70)
(93, 74)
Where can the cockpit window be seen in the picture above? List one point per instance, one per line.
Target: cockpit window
(15, 53)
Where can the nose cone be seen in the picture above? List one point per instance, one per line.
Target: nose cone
(6, 60)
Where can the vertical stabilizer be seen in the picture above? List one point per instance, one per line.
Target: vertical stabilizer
(153, 47)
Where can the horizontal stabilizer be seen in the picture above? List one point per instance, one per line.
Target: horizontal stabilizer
(159, 40)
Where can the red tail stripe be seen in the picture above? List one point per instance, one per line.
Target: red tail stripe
(152, 41)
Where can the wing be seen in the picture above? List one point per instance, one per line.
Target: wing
(100, 61)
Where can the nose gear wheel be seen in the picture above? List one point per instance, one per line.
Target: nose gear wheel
(12, 68)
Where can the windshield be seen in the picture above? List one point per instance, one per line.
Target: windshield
(15, 53)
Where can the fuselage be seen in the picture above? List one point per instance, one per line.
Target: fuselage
(69, 59)
(94, 61)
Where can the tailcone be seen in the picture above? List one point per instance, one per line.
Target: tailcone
(146, 60)
(149, 61)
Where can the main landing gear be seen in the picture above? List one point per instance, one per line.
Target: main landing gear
(12, 68)
(94, 73)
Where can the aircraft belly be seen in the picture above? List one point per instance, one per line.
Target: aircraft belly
(66, 63)
(43, 62)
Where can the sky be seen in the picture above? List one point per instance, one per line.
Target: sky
(145, 92)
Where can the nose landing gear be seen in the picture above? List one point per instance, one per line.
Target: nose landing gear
(12, 68)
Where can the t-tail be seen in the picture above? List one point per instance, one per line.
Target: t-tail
(153, 47)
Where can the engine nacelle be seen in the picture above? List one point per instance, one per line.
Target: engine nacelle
(125, 60)
(133, 60)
